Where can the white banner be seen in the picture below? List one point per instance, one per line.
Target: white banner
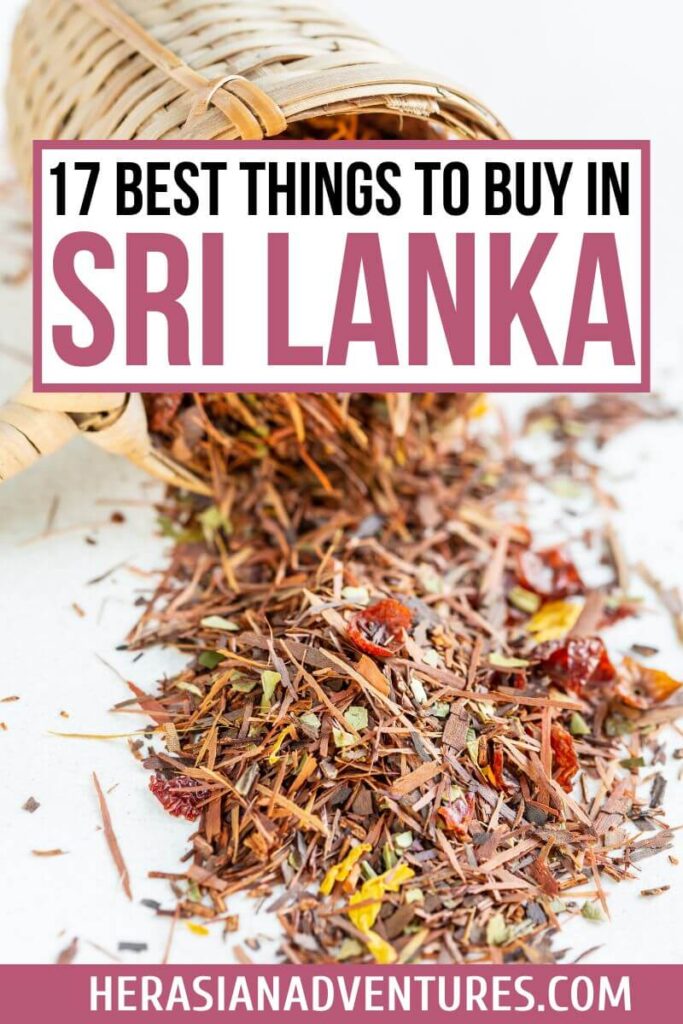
(350, 267)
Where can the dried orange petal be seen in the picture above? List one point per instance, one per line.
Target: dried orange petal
(641, 687)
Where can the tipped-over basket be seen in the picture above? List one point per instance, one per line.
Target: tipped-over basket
(195, 69)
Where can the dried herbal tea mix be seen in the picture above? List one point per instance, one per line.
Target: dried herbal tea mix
(400, 726)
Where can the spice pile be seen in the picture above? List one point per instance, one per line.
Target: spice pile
(351, 442)
(400, 724)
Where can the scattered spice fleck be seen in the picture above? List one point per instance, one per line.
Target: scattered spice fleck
(68, 954)
(112, 841)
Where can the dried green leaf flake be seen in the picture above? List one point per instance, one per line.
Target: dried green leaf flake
(472, 744)
(497, 932)
(244, 685)
(310, 720)
(209, 659)
(213, 521)
(617, 725)
(188, 688)
(592, 912)
(524, 600)
(578, 725)
(269, 681)
(348, 949)
(357, 717)
(418, 691)
(218, 622)
(441, 709)
(632, 763)
(342, 738)
(431, 657)
(356, 595)
(501, 661)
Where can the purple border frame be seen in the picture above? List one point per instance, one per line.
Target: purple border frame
(37, 993)
(642, 145)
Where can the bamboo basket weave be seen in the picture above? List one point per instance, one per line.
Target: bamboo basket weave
(194, 69)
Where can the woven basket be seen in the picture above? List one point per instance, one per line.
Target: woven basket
(194, 69)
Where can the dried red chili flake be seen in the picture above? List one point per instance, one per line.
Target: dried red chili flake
(549, 573)
(576, 662)
(496, 767)
(458, 815)
(641, 687)
(564, 756)
(180, 796)
(378, 630)
(161, 411)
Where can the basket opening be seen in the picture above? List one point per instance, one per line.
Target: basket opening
(354, 126)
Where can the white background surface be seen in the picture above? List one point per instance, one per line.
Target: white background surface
(607, 70)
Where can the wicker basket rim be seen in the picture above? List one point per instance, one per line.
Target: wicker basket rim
(191, 69)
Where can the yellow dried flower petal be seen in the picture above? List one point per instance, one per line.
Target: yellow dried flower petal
(196, 929)
(351, 859)
(328, 882)
(396, 876)
(341, 871)
(371, 893)
(479, 408)
(273, 756)
(554, 620)
(383, 951)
